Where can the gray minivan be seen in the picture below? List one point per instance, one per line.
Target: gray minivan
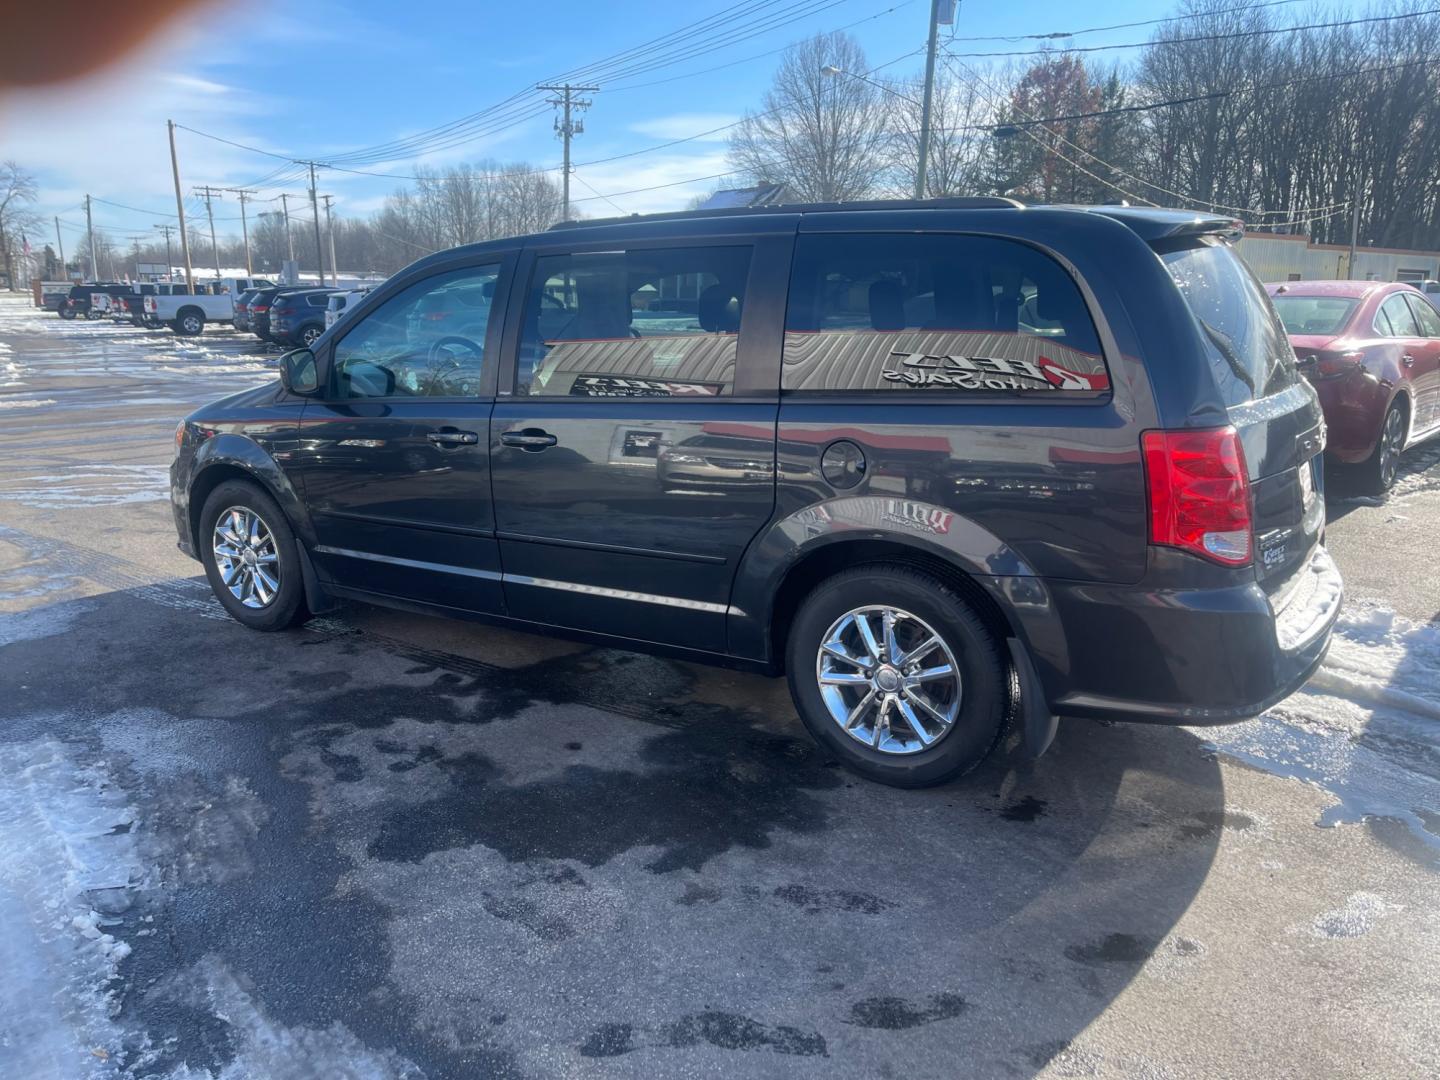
(941, 463)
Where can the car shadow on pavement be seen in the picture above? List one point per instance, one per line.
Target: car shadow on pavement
(512, 858)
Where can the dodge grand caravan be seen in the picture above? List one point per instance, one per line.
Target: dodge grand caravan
(944, 464)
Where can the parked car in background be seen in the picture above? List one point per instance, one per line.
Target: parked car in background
(187, 313)
(1371, 349)
(53, 294)
(242, 307)
(78, 303)
(918, 499)
(341, 302)
(297, 316)
(134, 303)
(258, 310)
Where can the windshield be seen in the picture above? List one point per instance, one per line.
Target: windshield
(1250, 353)
(1319, 315)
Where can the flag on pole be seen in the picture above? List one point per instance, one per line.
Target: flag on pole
(25, 244)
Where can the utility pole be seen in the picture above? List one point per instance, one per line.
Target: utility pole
(330, 232)
(1354, 232)
(289, 239)
(567, 127)
(315, 216)
(244, 227)
(207, 193)
(90, 230)
(135, 244)
(180, 210)
(169, 263)
(940, 11)
(61, 244)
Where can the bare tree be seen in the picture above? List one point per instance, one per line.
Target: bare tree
(959, 139)
(17, 190)
(823, 136)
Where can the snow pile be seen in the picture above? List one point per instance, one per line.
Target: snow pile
(67, 863)
(1365, 729)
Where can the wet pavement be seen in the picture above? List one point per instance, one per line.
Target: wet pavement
(392, 846)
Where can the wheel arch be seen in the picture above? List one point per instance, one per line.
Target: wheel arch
(822, 561)
(233, 457)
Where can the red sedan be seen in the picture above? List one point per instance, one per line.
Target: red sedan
(1371, 349)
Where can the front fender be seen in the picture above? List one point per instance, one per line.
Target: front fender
(230, 451)
(912, 523)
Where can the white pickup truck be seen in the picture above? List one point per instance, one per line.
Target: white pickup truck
(212, 301)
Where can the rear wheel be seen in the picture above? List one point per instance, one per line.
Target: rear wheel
(248, 550)
(67, 313)
(309, 335)
(189, 323)
(893, 672)
(1380, 470)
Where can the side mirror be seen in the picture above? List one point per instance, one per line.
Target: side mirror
(299, 373)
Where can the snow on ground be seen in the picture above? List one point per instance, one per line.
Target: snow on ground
(67, 858)
(1366, 728)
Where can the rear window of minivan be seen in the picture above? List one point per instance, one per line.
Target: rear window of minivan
(1250, 354)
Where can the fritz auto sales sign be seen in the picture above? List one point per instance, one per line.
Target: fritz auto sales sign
(935, 361)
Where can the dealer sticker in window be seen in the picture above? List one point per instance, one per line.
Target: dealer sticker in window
(625, 386)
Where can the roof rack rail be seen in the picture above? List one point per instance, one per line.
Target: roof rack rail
(954, 202)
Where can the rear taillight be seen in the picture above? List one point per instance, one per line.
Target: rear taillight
(1333, 365)
(1199, 493)
(282, 311)
(260, 309)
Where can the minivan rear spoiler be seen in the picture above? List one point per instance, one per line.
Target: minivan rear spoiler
(1157, 226)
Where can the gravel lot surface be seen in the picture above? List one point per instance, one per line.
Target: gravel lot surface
(389, 846)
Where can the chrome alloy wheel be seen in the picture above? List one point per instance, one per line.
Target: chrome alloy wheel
(1392, 444)
(889, 680)
(246, 557)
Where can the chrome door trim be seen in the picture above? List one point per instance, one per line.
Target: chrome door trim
(617, 594)
(417, 564)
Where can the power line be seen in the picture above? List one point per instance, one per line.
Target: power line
(1055, 34)
(1197, 38)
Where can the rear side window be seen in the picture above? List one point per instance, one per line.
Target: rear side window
(652, 323)
(1250, 354)
(935, 315)
(1424, 315)
(1395, 319)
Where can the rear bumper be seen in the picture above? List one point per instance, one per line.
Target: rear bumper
(1202, 656)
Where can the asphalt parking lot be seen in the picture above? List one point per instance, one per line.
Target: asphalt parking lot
(389, 846)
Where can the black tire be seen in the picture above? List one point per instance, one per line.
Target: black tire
(288, 608)
(308, 335)
(1378, 472)
(189, 322)
(66, 313)
(984, 699)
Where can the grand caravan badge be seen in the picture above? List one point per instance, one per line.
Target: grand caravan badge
(988, 372)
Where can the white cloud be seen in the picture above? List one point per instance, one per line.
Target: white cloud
(669, 180)
(684, 125)
(197, 84)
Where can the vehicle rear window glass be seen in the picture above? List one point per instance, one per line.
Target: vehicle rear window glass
(1250, 353)
(934, 315)
(652, 323)
(1320, 315)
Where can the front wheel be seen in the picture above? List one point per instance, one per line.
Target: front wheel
(248, 549)
(1383, 466)
(892, 671)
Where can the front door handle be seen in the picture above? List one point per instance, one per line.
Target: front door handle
(451, 437)
(1408, 360)
(531, 439)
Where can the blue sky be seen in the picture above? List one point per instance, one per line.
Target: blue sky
(329, 77)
